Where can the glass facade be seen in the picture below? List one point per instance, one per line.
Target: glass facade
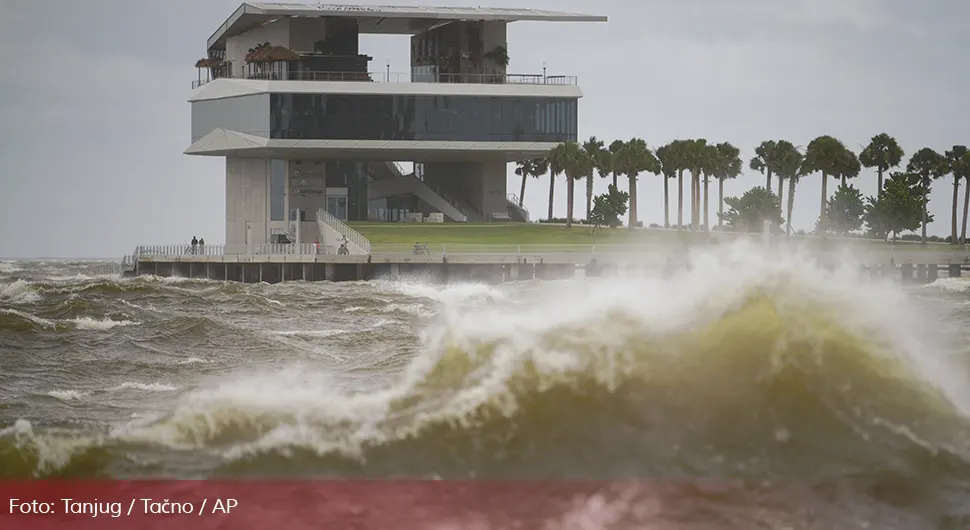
(422, 118)
(277, 190)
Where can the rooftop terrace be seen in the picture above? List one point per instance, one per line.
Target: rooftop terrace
(389, 20)
(399, 77)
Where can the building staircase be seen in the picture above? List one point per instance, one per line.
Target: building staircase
(410, 184)
(333, 232)
(517, 213)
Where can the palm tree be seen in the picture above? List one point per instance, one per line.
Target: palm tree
(962, 167)
(699, 156)
(788, 167)
(882, 153)
(668, 166)
(554, 171)
(830, 157)
(576, 163)
(764, 160)
(615, 147)
(635, 158)
(929, 166)
(594, 148)
(727, 165)
(534, 167)
(953, 158)
(677, 155)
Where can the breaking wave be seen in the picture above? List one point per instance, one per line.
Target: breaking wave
(746, 366)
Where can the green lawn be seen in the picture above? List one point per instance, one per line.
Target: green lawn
(382, 233)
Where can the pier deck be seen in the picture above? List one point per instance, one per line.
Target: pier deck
(494, 263)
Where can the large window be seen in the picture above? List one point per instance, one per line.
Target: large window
(277, 190)
(434, 118)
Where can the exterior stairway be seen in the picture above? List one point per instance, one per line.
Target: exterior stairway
(516, 212)
(452, 209)
(333, 231)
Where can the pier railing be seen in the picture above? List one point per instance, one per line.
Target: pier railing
(421, 252)
(292, 249)
(353, 236)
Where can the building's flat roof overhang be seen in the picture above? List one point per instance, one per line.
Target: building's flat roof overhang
(222, 142)
(229, 88)
(392, 20)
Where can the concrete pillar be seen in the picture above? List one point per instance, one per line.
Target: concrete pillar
(932, 272)
(921, 272)
(329, 272)
(954, 270)
(261, 272)
(907, 272)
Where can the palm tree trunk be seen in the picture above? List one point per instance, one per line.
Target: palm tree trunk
(956, 206)
(926, 192)
(707, 225)
(552, 193)
(879, 176)
(781, 191)
(666, 201)
(791, 203)
(522, 189)
(825, 195)
(697, 201)
(589, 195)
(633, 201)
(768, 179)
(693, 200)
(570, 198)
(843, 180)
(680, 199)
(720, 202)
(614, 181)
(966, 205)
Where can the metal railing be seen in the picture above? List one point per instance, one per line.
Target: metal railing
(395, 77)
(458, 249)
(291, 249)
(514, 199)
(353, 236)
(530, 252)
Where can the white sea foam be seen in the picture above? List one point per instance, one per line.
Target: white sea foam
(297, 407)
(147, 387)
(19, 292)
(67, 395)
(89, 323)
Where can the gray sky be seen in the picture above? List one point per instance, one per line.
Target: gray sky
(95, 116)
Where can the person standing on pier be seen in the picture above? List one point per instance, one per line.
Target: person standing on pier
(195, 244)
(202, 245)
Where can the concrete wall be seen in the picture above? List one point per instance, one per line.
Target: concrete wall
(248, 202)
(307, 186)
(246, 114)
(276, 33)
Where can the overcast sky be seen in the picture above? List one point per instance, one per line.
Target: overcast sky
(95, 118)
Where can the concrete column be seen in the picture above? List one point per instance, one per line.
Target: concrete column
(932, 272)
(921, 272)
(260, 272)
(329, 272)
(954, 270)
(907, 272)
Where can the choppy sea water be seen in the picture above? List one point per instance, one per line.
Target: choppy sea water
(773, 392)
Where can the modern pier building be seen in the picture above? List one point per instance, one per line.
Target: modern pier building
(314, 136)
